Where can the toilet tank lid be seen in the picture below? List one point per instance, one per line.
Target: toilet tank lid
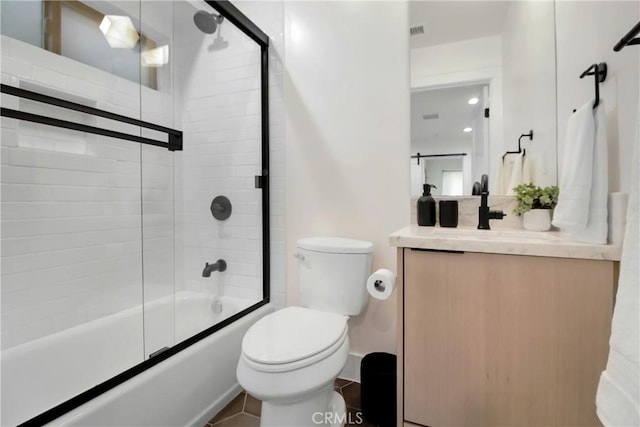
(337, 245)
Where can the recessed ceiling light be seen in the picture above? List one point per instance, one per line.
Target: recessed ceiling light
(467, 130)
(473, 101)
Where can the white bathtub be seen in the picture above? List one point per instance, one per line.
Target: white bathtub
(185, 389)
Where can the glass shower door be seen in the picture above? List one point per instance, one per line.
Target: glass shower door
(217, 82)
(71, 255)
(158, 196)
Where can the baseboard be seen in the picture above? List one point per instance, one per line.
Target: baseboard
(215, 407)
(351, 370)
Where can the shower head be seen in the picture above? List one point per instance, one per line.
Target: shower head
(207, 22)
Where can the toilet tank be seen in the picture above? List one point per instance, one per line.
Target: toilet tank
(333, 272)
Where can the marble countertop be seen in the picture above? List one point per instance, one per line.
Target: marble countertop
(510, 242)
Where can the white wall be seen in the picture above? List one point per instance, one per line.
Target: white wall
(587, 40)
(441, 147)
(529, 85)
(428, 63)
(347, 137)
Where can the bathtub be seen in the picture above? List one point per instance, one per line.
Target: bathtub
(185, 389)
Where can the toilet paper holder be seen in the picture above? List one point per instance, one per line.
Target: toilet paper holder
(381, 284)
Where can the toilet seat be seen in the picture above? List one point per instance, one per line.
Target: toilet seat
(292, 338)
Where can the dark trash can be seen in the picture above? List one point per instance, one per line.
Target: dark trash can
(378, 388)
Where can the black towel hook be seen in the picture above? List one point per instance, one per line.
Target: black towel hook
(520, 150)
(628, 38)
(599, 71)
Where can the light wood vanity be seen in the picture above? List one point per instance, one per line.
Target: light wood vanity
(488, 338)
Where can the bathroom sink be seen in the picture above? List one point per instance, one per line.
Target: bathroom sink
(499, 235)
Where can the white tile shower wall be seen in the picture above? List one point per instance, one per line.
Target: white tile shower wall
(71, 230)
(269, 16)
(220, 91)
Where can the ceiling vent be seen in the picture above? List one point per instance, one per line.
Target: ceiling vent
(416, 30)
(430, 116)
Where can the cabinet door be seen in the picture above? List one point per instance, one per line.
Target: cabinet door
(503, 340)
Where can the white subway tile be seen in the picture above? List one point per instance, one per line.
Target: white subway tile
(57, 242)
(23, 263)
(9, 138)
(48, 77)
(59, 277)
(43, 209)
(17, 67)
(43, 226)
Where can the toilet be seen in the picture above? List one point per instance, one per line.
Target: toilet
(291, 358)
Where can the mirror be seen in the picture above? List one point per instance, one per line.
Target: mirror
(502, 54)
(449, 137)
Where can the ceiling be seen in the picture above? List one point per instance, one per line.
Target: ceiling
(454, 115)
(451, 21)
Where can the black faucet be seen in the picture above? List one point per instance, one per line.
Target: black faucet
(220, 265)
(484, 213)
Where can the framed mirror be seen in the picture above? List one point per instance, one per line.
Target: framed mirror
(503, 54)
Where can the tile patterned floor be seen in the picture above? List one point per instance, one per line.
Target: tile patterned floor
(244, 410)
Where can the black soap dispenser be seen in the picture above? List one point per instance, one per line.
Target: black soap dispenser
(427, 207)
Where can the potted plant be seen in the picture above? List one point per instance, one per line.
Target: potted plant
(535, 205)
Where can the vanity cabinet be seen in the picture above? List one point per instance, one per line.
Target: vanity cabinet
(501, 340)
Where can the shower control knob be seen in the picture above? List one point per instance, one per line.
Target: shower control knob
(221, 208)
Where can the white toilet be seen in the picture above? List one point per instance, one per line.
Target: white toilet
(291, 358)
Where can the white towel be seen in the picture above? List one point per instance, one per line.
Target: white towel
(528, 170)
(417, 178)
(505, 173)
(582, 203)
(499, 188)
(597, 228)
(618, 398)
(516, 174)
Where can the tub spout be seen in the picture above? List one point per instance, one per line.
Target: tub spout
(219, 265)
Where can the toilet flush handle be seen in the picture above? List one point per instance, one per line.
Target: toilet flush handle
(299, 256)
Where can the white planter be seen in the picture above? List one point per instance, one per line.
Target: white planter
(537, 220)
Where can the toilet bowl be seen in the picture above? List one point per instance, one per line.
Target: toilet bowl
(291, 358)
(292, 374)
